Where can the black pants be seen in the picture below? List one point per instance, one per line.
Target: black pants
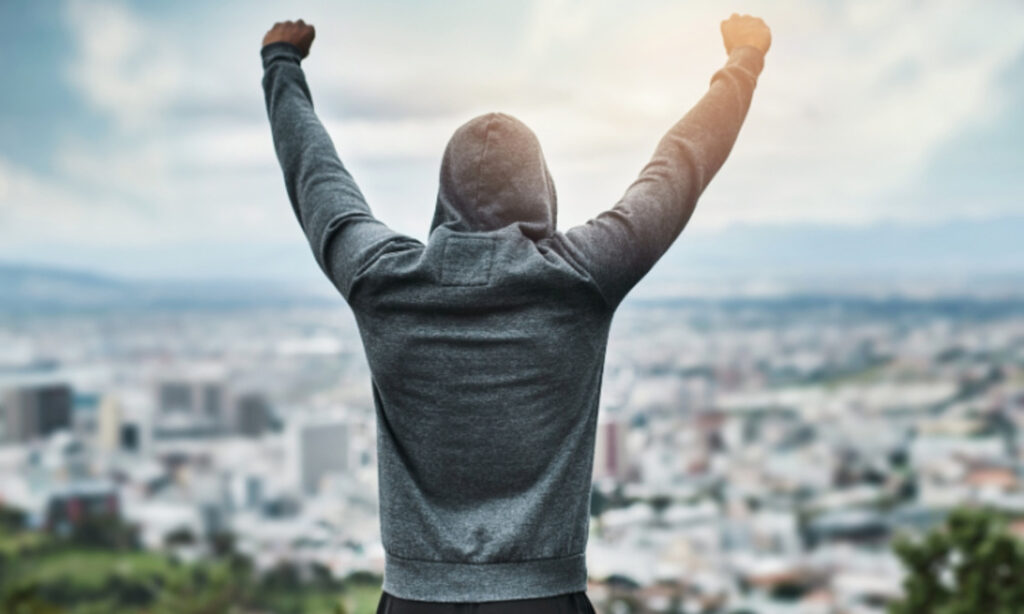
(569, 603)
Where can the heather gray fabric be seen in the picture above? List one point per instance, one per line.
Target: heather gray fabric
(486, 345)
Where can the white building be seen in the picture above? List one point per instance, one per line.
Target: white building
(318, 444)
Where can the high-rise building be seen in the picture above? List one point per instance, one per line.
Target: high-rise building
(108, 427)
(251, 415)
(317, 445)
(611, 460)
(197, 397)
(35, 409)
(192, 403)
(84, 407)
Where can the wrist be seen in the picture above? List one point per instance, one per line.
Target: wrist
(280, 50)
(750, 45)
(749, 55)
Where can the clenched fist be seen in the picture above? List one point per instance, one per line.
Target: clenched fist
(298, 33)
(741, 30)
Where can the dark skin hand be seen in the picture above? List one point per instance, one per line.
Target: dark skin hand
(298, 33)
(741, 30)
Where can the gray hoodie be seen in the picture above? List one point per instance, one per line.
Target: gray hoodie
(486, 345)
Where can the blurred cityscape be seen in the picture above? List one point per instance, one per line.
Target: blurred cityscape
(753, 455)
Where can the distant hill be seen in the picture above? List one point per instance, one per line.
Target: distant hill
(33, 288)
(967, 258)
(962, 247)
(982, 257)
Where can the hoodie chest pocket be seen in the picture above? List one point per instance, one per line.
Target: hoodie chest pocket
(467, 261)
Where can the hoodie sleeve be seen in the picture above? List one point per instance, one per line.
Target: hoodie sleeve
(620, 245)
(341, 229)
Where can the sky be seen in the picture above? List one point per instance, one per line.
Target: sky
(134, 139)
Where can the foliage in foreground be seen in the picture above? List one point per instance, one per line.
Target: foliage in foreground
(99, 569)
(971, 565)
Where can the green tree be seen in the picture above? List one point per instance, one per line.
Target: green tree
(105, 531)
(219, 591)
(11, 519)
(971, 565)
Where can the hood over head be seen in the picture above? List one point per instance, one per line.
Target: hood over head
(493, 174)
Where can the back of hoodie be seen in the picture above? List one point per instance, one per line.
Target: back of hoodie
(486, 345)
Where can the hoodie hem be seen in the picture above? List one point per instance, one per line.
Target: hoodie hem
(453, 581)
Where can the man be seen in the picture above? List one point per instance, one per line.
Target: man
(486, 345)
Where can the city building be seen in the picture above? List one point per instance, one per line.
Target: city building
(34, 408)
(317, 445)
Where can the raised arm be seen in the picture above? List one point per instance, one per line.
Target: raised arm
(341, 229)
(620, 245)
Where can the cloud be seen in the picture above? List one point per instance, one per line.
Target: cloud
(123, 65)
(33, 210)
(855, 103)
(855, 100)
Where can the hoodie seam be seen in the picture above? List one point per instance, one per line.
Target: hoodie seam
(480, 160)
(453, 279)
(580, 267)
